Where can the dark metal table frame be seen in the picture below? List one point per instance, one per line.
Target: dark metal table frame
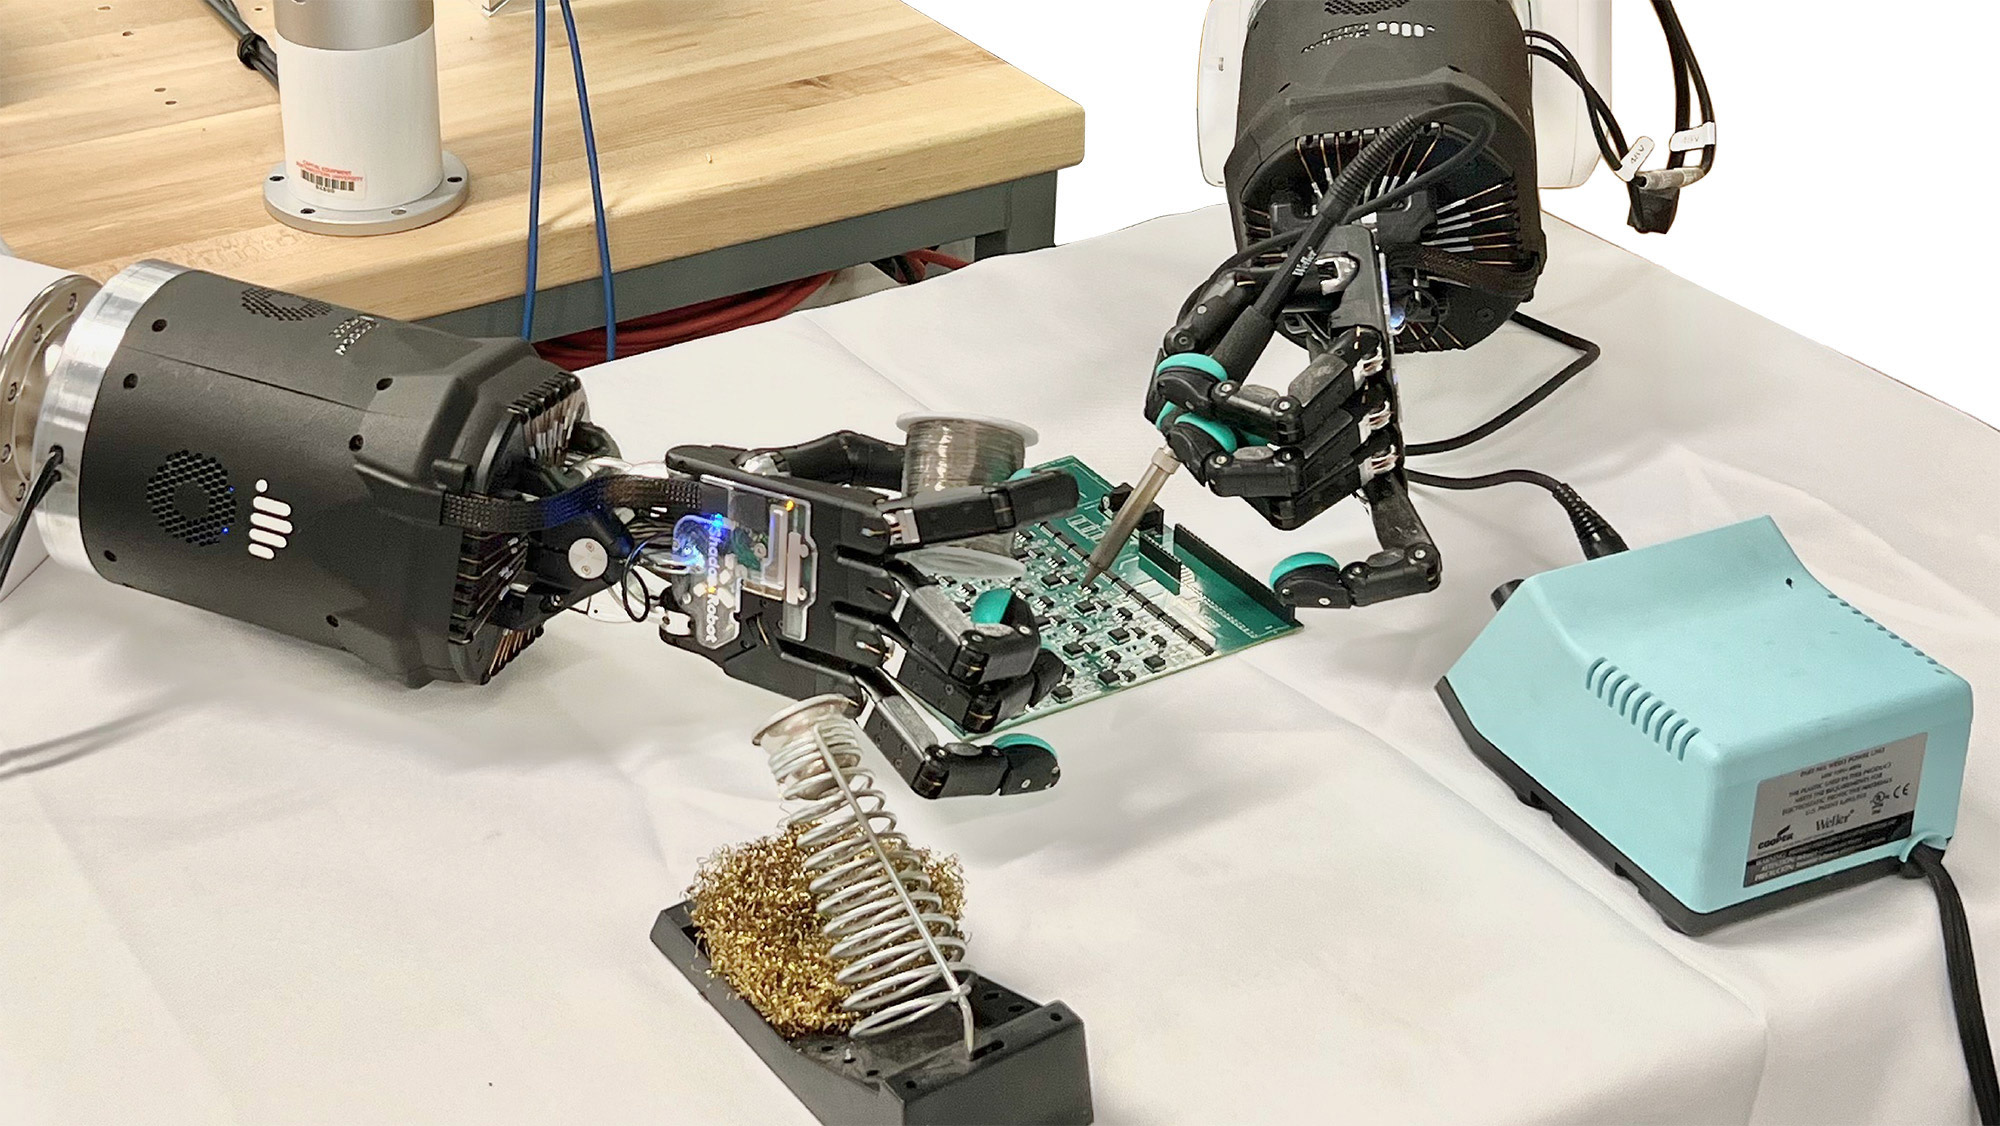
(1005, 218)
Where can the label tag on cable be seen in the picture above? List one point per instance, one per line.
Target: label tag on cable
(1642, 151)
(1822, 813)
(1691, 139)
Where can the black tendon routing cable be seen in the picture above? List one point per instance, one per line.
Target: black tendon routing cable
(1342, 202)
(1928, 862)
(44, 481)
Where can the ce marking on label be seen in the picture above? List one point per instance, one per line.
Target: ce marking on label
(1884, 797)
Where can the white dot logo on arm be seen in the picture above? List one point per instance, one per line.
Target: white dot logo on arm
(270, 524)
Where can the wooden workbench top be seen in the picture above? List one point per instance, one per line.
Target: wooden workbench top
(129, 131)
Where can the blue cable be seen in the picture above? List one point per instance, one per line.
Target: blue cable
(535, 173)
(596, 187)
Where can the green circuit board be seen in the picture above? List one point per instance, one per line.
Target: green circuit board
(1170, 603)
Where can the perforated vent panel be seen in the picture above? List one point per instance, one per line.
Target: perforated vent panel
(282, 306)
(191, 498)
(1362, 7)
(1623, 693)
(1888, 633)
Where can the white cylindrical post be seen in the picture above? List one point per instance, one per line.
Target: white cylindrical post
(364, 149)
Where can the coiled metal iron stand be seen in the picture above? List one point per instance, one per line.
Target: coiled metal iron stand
(899, 953)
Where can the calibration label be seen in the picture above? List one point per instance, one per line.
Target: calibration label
(1835, 809)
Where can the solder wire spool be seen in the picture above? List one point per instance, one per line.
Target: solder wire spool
(955, 452)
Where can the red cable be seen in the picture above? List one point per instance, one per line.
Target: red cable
(938, 258)
(677, 326)
(708, 318)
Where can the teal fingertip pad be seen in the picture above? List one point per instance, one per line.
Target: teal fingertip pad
(1300, 562)
(1168, 414)
(990, 608)
(1006, 741)
(1194, 361)
(1223, 435)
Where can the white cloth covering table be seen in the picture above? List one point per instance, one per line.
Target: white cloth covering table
(245, 880)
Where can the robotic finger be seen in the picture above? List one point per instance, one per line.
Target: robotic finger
(1292, 454)
(801, 580)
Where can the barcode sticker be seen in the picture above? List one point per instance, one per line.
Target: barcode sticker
(329, 179)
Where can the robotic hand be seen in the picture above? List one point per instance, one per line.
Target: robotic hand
(1333, 433)
(431, 504)
(1383, 191)
(797, 576)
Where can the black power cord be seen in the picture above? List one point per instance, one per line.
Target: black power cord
(1687, 72)
(1927, 862)
(252, 50)
(1655, 195)
(1590, 354)
(1594, 534)
(44, 481)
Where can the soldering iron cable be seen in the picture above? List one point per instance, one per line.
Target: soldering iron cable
(1589, 353)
